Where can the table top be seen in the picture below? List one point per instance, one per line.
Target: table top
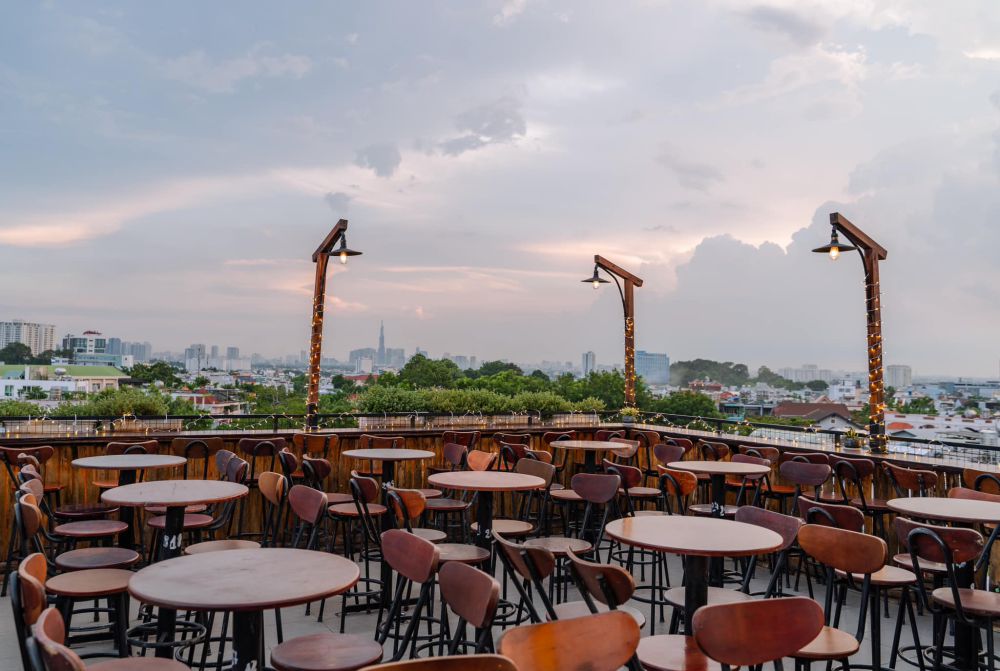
(486, 481)
(948, 510)
(719, 467)
(388, 454)
(700, 536)
(174, 493)
(245, 580)
(129, 462)
(596, 445)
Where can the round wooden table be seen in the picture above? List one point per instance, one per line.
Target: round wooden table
(962, 512)
(590, 448)
(128, 466)
(485, 482)
(246, 583)
(697, 538)
(718, 470)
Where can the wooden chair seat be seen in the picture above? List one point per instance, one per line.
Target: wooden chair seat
(432, 535)
(465, 554)
(903, 560)
(887, 576)
(874, 504)
(642, 492)
(89, 583)
(91, 528)
(430, 493)
(555, 486)
(565, 495)
(325, 652)
(162, 510)
(716, 595)
(830, 644)
(48, 489)
(446, 505)
(84, 558)
(673, 653)
(84, 510)
(350, 510)
(572, 609)
(192, 521)
(649, 513)
(105, 484)
(508, 527)
(559, 545)
(334, 498)
(220, 546)
(705, 509)
(974, 601)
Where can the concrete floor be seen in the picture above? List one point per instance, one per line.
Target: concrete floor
(296, 623)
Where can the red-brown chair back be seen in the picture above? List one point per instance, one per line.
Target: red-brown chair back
(480, 461)
(849, 551)
(596, 487)
(785, 526)
(602, 642)
(410, 556)
(965, 544)
(611, 585)
(667, 453)
(749, 633)
(308, 504)
(143, 447)
(831, 514)
(470, 593)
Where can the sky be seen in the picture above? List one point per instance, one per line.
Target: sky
(166, 171)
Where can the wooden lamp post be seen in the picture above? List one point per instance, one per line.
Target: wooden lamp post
(628, 307)
(321, 257)
(871, 253)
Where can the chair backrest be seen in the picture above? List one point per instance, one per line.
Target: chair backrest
(237, 470)
(627, 450)
(455, 454)
(410, 556)
(936, 543)
(911, 481)
(806, 457)
(452, 663)
(407, 504)
(850, 551)
(749, 633)
(365, 489)
(756, 461)
(512, 438)
(608, 434)
(50, 637)
(830, 514)
(713, 451)
(480, 461)
(31, 575)
(289, 462)
(272, 487)
(511, 453)
(686, 443)
(550, 437)
(678, 483)
(543, 561)
(316, 470)
(630, 475)
(471, 594)
(610, 584)
(972, 495)
(648, 439)
(805, 474)
(29, 518)
(596, 487)
(986, 481)
(467, 439)
(772, 454)
(545, 471)
(538, 455)
(312, 444)
(603, 642)
(370, 442)
(222, 459)
(308, 504)
(139, 447)
(668, 453)
(785, 526)
(260, 447)
(35, 487)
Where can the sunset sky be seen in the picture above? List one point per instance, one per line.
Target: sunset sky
(167, 170)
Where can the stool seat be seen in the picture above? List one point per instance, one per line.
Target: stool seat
(888, 576)
(642, 492)
(139, 664)
(974, 601)
(446, 505)
(705, 509)
(830, 644)
(555, 487)
(559, 545)
(84, 510)
(565, 495)
(220, 546)
(325, 652)
(432, 535)
(84, 558)
(464, 554)
(903, 560)
(716, 595)
(673, 653)
(333, 498)
(162, 510)
(91, 528)
(95, 582)
(48, 489)
(191, 521)
(508, 527)
(649, 513)
(570, 609)
(430, 493)
(105, 484)
(878, 505)
(351, 510)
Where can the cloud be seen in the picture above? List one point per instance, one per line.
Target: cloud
(382, 158)
(983, 54)
(497, 122)
(509, 11)
(199, 70)
(689, 174)
(338, 201)
(798, 28)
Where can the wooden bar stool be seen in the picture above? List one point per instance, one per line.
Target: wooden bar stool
(254, 449)
(910, 481)
(550, 437)
(450, 511)
(599, 493)
(415, 561)
(603, 642)
(857, 475)
(196, 450)
(473, 596)
(805, 474)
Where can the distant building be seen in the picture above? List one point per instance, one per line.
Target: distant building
(654, 367)
(588, 363)
(38, 337)
(356, 355)
(57, 381)
(233, 352)
(215, 351)
(806, 373)
(91, 342)
(824, 415)
(898, 376)
(141, 352)
(395, 357)
(461, 361)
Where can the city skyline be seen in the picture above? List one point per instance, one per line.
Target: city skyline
(522, 153)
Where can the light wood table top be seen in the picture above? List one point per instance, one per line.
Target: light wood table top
(700, 536)
(486, 481)
(244, 580)
(129, 462)
(947, 510)
(388, 454)
(719, 467)
(595, 445)
(174, 493)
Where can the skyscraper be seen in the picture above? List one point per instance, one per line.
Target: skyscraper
(654, 367)
(589, 363)
(38, 337)
(380, 355)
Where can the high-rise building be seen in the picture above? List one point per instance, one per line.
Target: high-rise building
(91, 342)
(380, 353)
(806, 373)
(363, 353)
(115, 346)
(215, 351)
(38, 337)
(141, 352)
(395, 357)
(588, 363)
(653, 367)
(232, 352)
(898, 376)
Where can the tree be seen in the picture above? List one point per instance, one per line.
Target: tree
(421, 372)
(689, 403)
(201, 382)
(919, 406)
(15, 353)
(817, 385)
(341, 383)
(493, 367)
(160, 371)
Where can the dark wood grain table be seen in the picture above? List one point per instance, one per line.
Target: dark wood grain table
(128, 467)
(246, 583)
(698, 539)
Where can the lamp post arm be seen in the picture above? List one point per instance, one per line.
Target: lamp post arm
(857, 237)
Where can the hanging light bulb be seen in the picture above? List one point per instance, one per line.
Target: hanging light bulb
(835, 247)
(343, 251)
(596, 279)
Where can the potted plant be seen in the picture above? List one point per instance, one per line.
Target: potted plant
(629, 415)
(850, 440)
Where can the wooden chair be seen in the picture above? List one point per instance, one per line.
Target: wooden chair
(316, 472)
(984, 481)
(603, 587)
(194, 450)
(370, 442)
(477, 460)
(804, 474)
(540, 499)
(530, 567)
(755, 632)
(599, 492)
(456, 663)
(631, 490)
(607, 434)
(676, 489)
(667, 453)
(550, 437)
(858, 474)
(473, 596)
(255, 449)
(314, 445)
(602, 642)
(648, 440)
(910, 481)
(119, 447)
(830, 514)
(992, 529)
(415, 562)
